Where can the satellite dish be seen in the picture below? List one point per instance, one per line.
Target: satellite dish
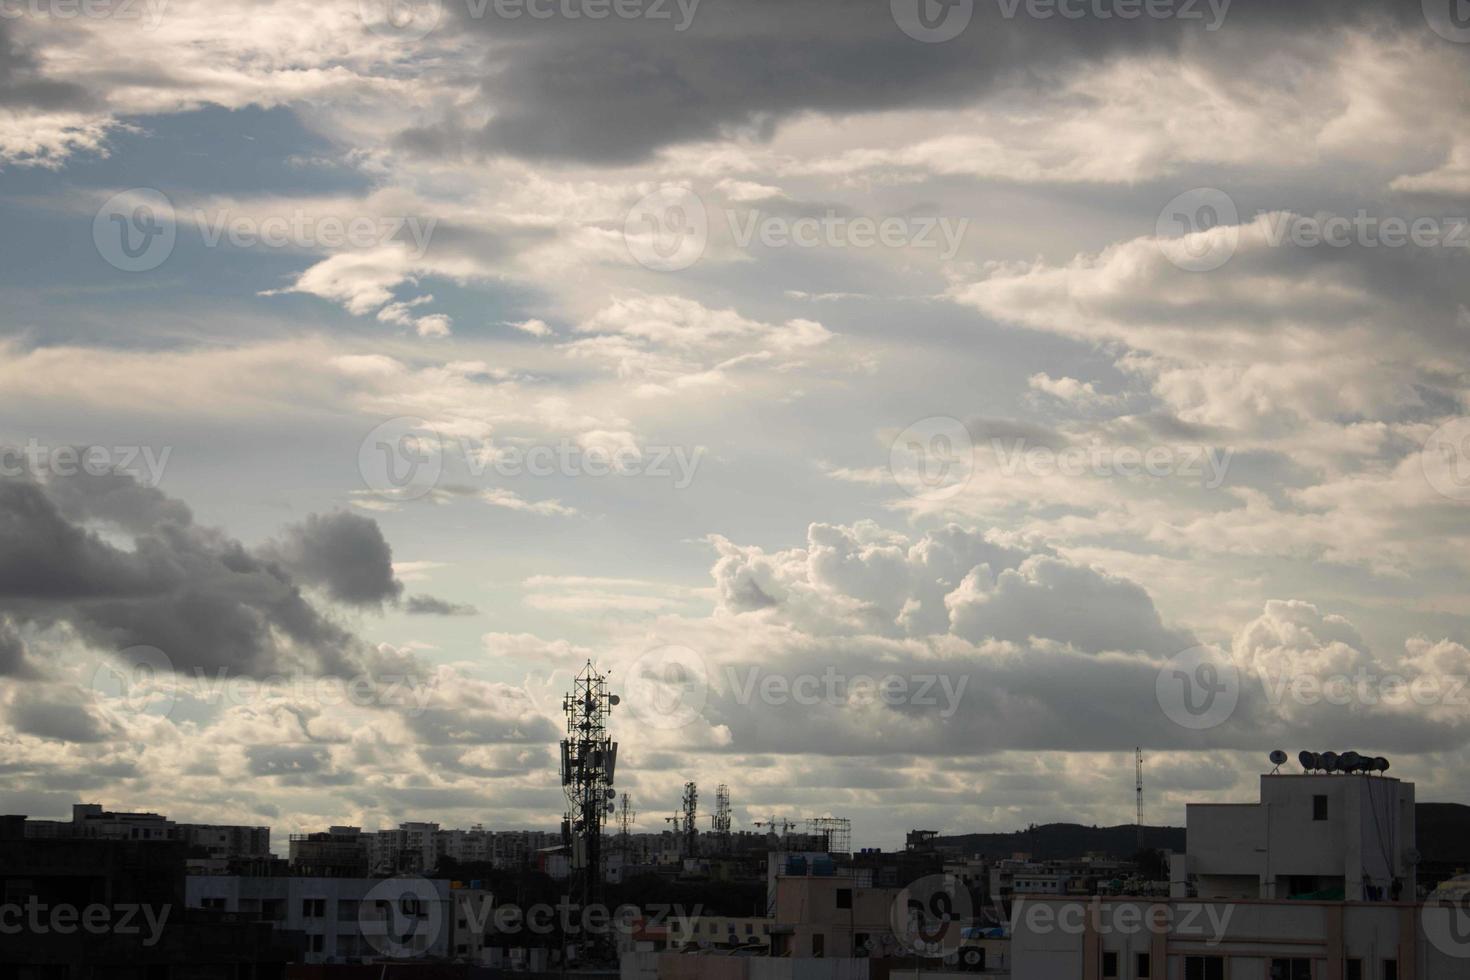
(612, 794)
(1278, 757)
(614, 700)
(1329, 761)
(1308, 760)
(1350, 762)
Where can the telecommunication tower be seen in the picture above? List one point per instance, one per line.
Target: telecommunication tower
(588, 762)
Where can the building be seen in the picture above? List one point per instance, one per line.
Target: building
(340, 852)
(1347, 836)
(831, 916)
(101, 906)
(89, 821)
(355, 920)
(710, 931)
(1241, 939)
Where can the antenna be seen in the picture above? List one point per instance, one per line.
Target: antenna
(691, 816)
(588, 762)
(626, 816)
(721, 819)
(1278, 759)
(1138, 766)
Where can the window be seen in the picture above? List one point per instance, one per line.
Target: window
(819, 945)
(1319, 808)
(1143, 966)
(1292, 969)
(1110, 966)
(313, 908)
(1204, 968)
(844, 898)
(1354, 970)
(1390, 970)
(315, 944)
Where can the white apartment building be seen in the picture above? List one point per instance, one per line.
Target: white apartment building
(1347, 836)
(1250, 939)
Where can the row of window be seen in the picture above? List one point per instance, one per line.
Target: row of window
(1213, 968)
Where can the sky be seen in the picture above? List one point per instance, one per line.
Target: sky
(914, 407)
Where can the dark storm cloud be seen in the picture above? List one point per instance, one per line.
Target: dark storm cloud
(618, 90)
(427, 605)
(21, 85)
(13, 660)
(61, 716)
(193, 592)
(344, 554)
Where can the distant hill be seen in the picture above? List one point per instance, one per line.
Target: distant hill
(1060, 841)
(1443, 830)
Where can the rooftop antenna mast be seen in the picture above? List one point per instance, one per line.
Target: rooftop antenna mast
(691, 817)
(1138, 767)
(626, 817)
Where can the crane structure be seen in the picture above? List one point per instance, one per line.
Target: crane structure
(588, 765)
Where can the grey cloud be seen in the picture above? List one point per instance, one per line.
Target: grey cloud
(23, 87)
(427, 605)
(618, 91)
(13, 660)
(192, 592)
(345, 554)
(54, 714)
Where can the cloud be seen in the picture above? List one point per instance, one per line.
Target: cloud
(427, 605)
(190, 591)
(343, 553)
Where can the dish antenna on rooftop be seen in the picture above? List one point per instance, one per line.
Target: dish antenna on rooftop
(1309, 761)
(1278, 759)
